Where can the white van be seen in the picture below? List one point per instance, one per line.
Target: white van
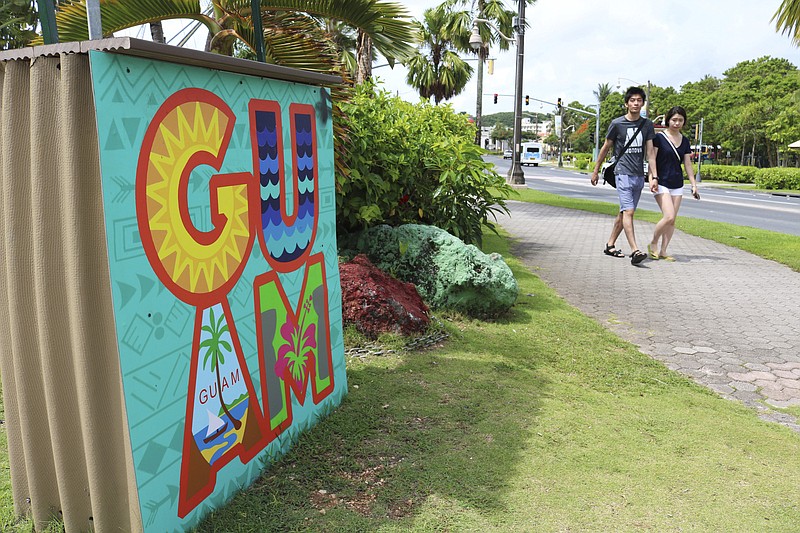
(531, 153)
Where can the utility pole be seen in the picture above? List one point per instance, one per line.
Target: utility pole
(515, 174)
(596, 149)
(479, 100)
(699, 152)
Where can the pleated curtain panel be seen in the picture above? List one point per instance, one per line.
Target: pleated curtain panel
(65, 413)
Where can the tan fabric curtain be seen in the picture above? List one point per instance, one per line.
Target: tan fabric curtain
(65, 414)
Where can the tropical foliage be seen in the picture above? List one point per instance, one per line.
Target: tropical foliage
(752, 111)
(18, 19)
(437, 70)
(787, 19)
(292, 28)
(415, 163)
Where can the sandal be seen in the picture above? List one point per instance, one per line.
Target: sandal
(637, 257)
(612, 251)
(651, 253)
(667, 258)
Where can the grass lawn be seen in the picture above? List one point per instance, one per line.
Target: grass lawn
(539, 421)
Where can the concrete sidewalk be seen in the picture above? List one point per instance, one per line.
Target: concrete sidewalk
(725, 318)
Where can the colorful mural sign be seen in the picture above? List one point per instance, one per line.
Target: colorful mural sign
(220, 216)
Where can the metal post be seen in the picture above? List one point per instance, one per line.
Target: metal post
(515, 174)
(94, 19)
(561, 137)
(699, 153)
(647, 100)
(479, 100)
(596, 151)
(47, 16)
(258, 29)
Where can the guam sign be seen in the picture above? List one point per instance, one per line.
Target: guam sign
(220, 215)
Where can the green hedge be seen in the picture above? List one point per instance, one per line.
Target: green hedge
(414, 163)
(764, 178)
(778, 178)
(734, 173)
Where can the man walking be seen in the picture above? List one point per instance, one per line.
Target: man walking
(629, 170)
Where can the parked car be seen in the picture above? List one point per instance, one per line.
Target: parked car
(508, 154)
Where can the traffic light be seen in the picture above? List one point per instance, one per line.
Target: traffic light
(591, 137)
(559, 105)
(527, 99)
(495, 98)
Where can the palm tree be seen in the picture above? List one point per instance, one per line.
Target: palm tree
(460, 26)
(18, 20)
(214, 345)
(787, 19)
(292, 33)
(440, 72)
(602, 92)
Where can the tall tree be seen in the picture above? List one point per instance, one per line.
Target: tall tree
(436, 70)
(787, 20)
(293, 35)
(18, 19)
(462, 14)
(602, 92)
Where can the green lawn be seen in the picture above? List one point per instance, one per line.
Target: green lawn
(541, 421)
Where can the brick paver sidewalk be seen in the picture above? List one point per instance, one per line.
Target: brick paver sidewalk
(726, 318)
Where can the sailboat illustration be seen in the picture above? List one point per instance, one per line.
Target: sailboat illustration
(216, 427)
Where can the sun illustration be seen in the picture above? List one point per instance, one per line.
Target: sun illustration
(189, 134)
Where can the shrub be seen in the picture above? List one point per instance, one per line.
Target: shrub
(778, 178)
(734, 173)
(414, 163)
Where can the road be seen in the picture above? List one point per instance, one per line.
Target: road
(745, 208)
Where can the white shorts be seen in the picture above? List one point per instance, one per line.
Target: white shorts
(672, 192)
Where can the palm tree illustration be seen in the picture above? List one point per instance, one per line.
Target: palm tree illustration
(214, 346)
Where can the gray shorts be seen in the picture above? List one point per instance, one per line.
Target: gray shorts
(629, 190)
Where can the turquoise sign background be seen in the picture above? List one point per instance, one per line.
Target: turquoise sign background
(270, 342)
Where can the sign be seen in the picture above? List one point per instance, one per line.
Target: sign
(220, 218)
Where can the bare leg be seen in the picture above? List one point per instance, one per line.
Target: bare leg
(615, 230)
(627, 225)
(660, 226)
(669, 228)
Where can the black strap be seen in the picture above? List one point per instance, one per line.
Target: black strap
(674, 150)
(641, 125)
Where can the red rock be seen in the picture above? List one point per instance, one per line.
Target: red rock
(377, 303)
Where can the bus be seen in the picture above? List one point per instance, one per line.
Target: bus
(531, 153)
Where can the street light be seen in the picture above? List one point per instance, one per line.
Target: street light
(646, 93)
(515, 174)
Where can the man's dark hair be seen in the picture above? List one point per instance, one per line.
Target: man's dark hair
(634, 91)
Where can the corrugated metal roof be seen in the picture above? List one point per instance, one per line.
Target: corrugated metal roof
(174, 54)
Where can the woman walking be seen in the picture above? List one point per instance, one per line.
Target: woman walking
(672, 149)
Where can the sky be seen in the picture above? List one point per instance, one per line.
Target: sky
(571, 46)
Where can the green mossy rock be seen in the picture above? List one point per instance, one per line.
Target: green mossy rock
(447, 273)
